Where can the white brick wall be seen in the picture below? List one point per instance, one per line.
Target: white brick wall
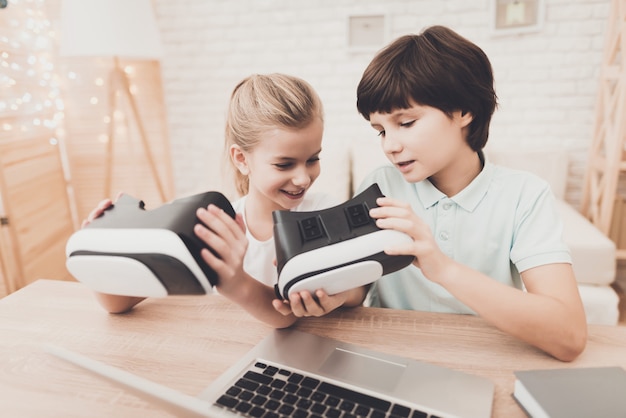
(546, 81)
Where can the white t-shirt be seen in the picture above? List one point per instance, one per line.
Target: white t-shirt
(504, 222)
(259, 259)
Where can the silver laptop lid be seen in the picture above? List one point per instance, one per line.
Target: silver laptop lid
(434, 389)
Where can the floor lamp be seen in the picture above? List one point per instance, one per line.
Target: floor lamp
(115, 29)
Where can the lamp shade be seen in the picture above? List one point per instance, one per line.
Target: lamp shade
(109, 28)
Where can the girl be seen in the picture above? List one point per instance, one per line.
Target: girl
(273, 138)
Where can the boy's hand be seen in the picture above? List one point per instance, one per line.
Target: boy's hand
(398, 215)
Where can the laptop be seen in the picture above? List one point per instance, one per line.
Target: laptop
(296, 374)
(346, 378)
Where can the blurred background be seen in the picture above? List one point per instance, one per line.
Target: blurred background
(141, 108)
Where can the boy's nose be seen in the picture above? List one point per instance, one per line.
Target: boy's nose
(390, 144)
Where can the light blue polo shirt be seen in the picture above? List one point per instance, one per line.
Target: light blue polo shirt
(504, 222)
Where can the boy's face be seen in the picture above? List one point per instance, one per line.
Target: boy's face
(283, 166)
(422, 141)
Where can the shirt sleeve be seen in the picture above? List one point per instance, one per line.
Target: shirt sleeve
(538, 235)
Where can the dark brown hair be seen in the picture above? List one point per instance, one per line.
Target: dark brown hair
(437, 68)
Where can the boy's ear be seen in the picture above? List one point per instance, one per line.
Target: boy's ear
(239, 159)
(466, 118)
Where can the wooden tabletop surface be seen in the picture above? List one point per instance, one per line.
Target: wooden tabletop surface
(186, 342)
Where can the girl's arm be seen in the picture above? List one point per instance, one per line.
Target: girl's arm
(112, 303)
(116, 303)
(228, 239)
(549, 315)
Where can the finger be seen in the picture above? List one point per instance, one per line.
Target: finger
(104, 203)
(221, 268)
(231, 249)
(282, 306)
(383, 212)
(330, 303)
(224, 217)
(311, 304)
(295, 302)
(402, 249)
(215, 241)
(408, 226)
(97, 211)
(220, 222)
(211, 225)
(388, 201)
(240, 221)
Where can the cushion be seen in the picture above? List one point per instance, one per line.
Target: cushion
(593, 253)
(601, 304)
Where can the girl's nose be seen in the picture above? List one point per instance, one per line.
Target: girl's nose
(301, 177)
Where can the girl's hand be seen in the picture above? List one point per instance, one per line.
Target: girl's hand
(227, 237)
(398, 215)
(303, 303)
(99, 210)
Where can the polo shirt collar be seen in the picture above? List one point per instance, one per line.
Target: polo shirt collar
(468, 198)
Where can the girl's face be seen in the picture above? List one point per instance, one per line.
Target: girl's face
(283, 166)
(424, 143)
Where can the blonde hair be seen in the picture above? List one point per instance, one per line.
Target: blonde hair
(263, 102)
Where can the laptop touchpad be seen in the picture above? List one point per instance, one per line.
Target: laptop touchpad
(363, 370)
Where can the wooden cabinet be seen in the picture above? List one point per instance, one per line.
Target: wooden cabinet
(36, 214)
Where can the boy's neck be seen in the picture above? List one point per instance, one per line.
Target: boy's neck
(457, 177)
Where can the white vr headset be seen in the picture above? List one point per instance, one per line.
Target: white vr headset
(147, 253)
(334, 249)
(131, 251)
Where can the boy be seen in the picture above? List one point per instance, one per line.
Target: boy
(487, 239)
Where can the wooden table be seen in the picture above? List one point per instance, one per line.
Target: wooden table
(186, 342)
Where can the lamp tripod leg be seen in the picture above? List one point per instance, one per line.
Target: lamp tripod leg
(143, 135)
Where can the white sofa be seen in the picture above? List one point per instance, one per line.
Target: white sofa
(593, 254)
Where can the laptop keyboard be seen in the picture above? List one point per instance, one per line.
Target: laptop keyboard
(266, 391)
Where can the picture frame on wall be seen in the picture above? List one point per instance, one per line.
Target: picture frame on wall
(367, 33)
(509, 17)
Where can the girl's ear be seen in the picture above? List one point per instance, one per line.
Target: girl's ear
(239, 159)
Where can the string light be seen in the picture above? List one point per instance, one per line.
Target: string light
(28, 78)
(31, 82)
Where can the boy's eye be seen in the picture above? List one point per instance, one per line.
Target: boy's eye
(407, 124)
(381, 133)
(313, 160)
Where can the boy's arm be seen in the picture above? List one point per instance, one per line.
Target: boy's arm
(549, 315)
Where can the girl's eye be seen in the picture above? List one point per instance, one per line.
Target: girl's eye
(313, 160)
(381, 133)
(407, 124)
(282, 166)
